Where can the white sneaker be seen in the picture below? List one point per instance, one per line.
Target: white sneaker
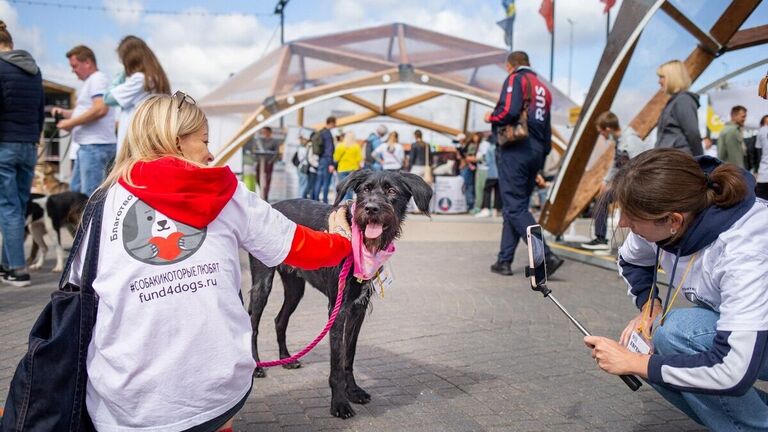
(483, 213)
(596, 244)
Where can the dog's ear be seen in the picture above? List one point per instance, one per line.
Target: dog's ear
(420, 190)
(351, 182)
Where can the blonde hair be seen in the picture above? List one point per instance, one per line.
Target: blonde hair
(676, 77)
(156, 125)
(349, 139)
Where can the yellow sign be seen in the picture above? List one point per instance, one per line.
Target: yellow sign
(573, 115)
(714, 123)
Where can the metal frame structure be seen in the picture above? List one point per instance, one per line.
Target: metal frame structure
(308, 71)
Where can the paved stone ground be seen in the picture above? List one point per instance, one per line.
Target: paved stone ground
(451, 347)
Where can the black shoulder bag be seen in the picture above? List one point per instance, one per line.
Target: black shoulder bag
(47, 392)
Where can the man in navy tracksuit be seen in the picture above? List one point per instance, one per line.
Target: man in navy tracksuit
(519, 162)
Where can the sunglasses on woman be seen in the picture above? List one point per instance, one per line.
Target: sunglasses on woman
(182, 97)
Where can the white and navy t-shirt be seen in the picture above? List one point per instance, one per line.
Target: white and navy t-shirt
(101, 131)
(728, 276)
(171, 347)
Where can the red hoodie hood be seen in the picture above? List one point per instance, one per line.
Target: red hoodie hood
(182, 191)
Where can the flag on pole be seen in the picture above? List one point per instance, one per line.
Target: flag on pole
(608, 5)
(509, 7)
(547, 10)
(507, 24)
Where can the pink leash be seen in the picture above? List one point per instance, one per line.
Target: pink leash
(342, 282)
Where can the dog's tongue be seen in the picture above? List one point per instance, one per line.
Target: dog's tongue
(373, 231)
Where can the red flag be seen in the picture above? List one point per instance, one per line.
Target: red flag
(608, 5)
(547, 10)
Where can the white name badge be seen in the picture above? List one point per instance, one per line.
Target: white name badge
(384, 280)
(638, 344)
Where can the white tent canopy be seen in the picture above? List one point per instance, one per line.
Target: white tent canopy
(402, 73)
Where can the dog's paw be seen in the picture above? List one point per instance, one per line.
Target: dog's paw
(293, 365)
(342, 410)
(57, 269)
(358, 396)
(259, 372)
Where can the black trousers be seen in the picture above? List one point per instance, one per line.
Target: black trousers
(762, 190)
(491, 188)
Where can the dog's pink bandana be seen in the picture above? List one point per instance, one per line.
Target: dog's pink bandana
(367, 264)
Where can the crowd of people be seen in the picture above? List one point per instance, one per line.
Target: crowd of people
(96, 131)
(473, 159)
(321, 157)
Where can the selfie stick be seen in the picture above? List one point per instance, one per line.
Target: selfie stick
(630, 380)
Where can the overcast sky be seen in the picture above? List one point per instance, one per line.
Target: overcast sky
(199, 52)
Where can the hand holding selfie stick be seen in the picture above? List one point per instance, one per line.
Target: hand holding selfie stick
(537, 271)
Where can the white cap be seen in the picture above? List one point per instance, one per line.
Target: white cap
(381, 130)
(460, 137)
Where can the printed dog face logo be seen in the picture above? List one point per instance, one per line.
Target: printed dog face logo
(444, 204)
(153, 238)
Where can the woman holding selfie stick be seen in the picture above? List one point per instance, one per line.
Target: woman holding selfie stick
(699, 219)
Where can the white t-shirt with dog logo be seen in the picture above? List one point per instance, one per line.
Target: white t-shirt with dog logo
(171, 347)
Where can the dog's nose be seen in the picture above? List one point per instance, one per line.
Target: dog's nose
(162, 223)
(371, 208)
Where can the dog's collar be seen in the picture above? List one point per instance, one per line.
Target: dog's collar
(366, 263)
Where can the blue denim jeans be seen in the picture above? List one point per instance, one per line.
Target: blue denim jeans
(323, 181)
(469, 186)
(94, 160)
(309, 191)
(17, 168)
(342, 176)
(74, 181)
(303, 183)
(692, 331)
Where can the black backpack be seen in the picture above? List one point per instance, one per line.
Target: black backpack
(317, 142)
(47, 392)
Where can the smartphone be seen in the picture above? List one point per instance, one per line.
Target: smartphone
(536, 256)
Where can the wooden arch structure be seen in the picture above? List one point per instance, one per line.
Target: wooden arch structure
(584, 165)
(398, 71)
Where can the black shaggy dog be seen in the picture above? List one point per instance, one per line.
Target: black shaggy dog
(382, 198)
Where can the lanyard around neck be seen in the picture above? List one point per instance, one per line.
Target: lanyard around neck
(667, 303)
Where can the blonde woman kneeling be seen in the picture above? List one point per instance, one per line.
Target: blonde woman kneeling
(171, 348)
